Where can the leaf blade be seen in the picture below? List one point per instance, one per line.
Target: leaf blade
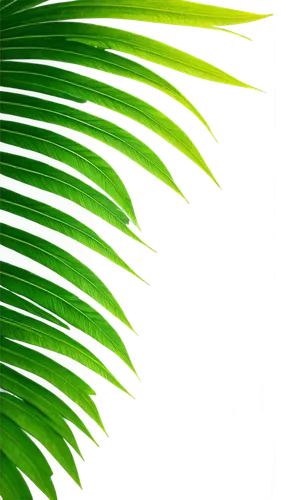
(177, 12)
(31, 421)
(126, 42)
(122, 102)
(12, 484)
(52, 218)
(50, 405)
(95, 58)
(46, 177)
(65, 305)
(66, 381)
(22, 451)
(21, 328)
(80, 158)
(108, 132)
(8, 297)
(64, 264)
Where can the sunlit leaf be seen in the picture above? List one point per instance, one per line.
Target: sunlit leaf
(33, 32)
(95, 58)
(178, 12)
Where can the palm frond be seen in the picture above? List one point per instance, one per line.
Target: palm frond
(177, 12)
(36, 311)
(59, 221)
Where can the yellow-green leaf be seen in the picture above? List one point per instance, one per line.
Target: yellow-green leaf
(173, 13)
(95, 58)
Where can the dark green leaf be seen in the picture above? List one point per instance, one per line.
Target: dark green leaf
(56, 409)
(22, 451)
(57, 220)
(12, 484)
(37, 333)
(30, 307)
(65, 305)
(32, 421)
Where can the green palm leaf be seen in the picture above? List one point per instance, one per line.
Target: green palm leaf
(62, 263)
(50, 405)
(45, 177)
(31, 31)
(33, 76)
(33, 422)
(59, 376)
(64, 304)
(123, 41)
(168, 12)
(71, 153)
(25, 455)
(86, 162)
(121, 102)
(15, 300)
(59, 221)
(16, 326)
(93, 57)
(12, 484)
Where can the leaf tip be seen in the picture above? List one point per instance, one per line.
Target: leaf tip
(139, 379)
(186, 200)
(134, 332)
(152, 249)
(139, 225)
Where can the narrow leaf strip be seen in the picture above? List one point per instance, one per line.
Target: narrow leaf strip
(109, 97)
(15, 326)
(126, 42)
(65, 305)
(64, 264)
(108, 132)
(22, 451)
(46, 177)
(51, 406)
(178, 12)
(95, 58)
(66, 381)
(82, 159)
(12, 484)
(32, 421)
(59, 221)
(15, 300)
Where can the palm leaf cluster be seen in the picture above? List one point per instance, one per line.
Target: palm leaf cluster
(51, 32)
